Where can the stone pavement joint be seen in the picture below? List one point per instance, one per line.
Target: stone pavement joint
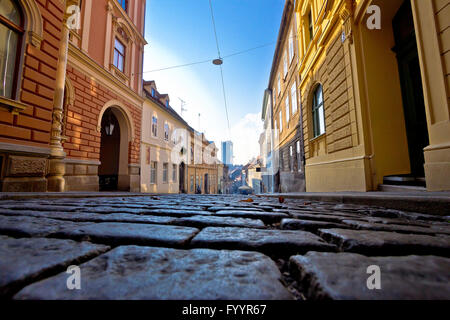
(217, 247)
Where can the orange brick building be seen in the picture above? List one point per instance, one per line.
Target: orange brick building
(70, 112)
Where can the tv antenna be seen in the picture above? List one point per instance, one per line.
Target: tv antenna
(183, 103)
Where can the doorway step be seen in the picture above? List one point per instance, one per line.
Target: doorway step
(403, 183)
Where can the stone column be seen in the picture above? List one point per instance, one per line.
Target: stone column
(55, 177)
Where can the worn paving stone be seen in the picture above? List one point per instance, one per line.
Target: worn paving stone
(176, 212)
(25, 260)
(357, 224)
(104, 232)
(386, 243)
(221, 208)
(145, 273)
(129, 233)
(40, 207)
(308, 225)
(92, 217)
(271, 242)
(215, 221)
(267, 217)
(319, 217)
(343, 276)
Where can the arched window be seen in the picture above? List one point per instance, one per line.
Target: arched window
(11, 31)
(318, 112)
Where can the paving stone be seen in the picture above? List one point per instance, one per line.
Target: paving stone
(176, 212)
(129, 233)
(343, 276)
(214, 221)
(267, 217)
(145, 273)
(23, 261)
(386, 243)
(308, 225)
(357, 224)
(220, 208)
(271, 242)
(319, 217)
(22, 226)
(92, 217)
(21, 207)
(105, 232)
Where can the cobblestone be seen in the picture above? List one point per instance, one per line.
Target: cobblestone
(219, 247)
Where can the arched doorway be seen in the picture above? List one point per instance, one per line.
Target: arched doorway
(115, 171)
(109, 152)
(181, 176)
(206, 184)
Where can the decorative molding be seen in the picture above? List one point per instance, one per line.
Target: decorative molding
(33, 22)
(125, 112)
(24, 150)
(346, 15)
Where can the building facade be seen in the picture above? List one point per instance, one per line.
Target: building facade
(286, 108)
(77, 74)
(373, 77)
(159, 172)
(173, 153)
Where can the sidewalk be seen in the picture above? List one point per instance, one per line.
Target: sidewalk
(436, 203)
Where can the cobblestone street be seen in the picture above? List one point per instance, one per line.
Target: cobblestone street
(219, 247)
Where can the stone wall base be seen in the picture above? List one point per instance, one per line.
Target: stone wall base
(81, 175)
(292, 182)
(437, 168)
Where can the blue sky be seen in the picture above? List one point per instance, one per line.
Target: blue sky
(181, 32)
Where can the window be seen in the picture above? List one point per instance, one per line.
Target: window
(165, 172)
(286, 69)
(281, 121)
(174, 173)
(192, 184)
(153, 168)
(10, 42)
(299, 159)
(279, 84)
(167, 103)
(294, 98)
(288, 112)
(274, 98)
(276, 129)
(155, 126)
(291, 46)
(291, 158)
(310, 27)
(318, 112)
(153, 92)
(124, 4)
(119, 55)
(148, 155)
(166, 131)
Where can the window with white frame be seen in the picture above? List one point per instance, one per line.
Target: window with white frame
(154, 126)
(153, 168)
(288, 112)
(294, 98)
(166, 131)
(281, 122)
(174, 172)
(318, 112)
(165, 173)
(299, 159)
(119, 55)
(286, 68)
(291, 46)
(279, 84)
(291, 158)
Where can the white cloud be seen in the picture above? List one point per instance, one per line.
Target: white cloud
(245, 136)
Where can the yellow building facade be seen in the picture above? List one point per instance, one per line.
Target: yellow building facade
(375, 92)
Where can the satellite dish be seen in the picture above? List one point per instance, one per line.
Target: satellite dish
(218, 62)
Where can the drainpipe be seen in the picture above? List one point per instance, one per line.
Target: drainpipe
(55, 177)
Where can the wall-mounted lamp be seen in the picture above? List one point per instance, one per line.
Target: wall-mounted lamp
(109, 128)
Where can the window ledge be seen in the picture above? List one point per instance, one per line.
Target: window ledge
(13, 106)
(119, 74)
(323, 135)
